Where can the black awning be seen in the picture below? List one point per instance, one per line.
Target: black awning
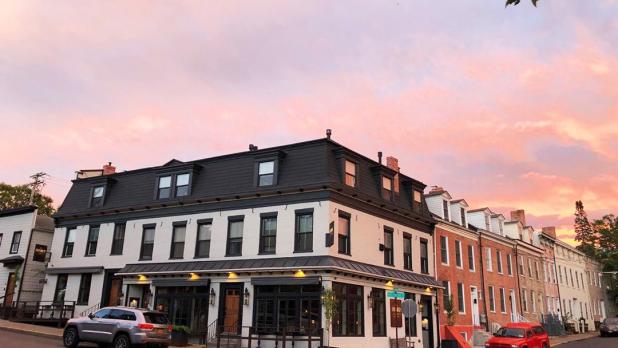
(12, 260)
(74, 270)
(285, 280)
(179, 282)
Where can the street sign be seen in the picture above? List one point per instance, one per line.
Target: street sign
(409, 308)
(396, 295)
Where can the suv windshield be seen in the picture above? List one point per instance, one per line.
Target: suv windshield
(510, 332)
(155, 318)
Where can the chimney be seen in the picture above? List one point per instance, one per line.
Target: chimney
(380, 157)
(109, 169)
(550, 231)
(252, 147)
(328, 133)
(393, 163)
(519, 215)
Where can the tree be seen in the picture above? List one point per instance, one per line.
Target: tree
(516, 2)
(450, 311)
(607, 255)
(584, 232)
(19, 196)
(329, 301)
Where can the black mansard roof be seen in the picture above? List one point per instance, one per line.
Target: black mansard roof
(307, 171)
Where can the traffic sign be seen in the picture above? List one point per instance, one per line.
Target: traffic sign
(409, 308)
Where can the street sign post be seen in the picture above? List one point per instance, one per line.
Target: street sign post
(398, 295)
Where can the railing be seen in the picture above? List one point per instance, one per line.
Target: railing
(211, 332)
(40, 311)
(280, 335)
(90, 310)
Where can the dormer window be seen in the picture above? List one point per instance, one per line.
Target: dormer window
(98, 193)
(266, 173)
(350, 173)
(445, 209)
(182, 184)
(387, 188)
(417, 199)
(165, 187)
(463, 217)
(486, 222)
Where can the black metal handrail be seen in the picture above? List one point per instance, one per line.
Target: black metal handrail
(278, 334)
(50, 311)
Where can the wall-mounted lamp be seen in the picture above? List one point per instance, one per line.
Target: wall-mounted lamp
(389, 283)
(142, 277)
(299, 274)
(232, 275)
(193, 276)
(212, 296)
(246, 296)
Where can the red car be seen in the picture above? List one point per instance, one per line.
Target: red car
(519, 335)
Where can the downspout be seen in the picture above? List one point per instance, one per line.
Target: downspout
(23, 270)
(437, 311)
(435, 271)
(483, 281)
(521, 308)
(558, 285)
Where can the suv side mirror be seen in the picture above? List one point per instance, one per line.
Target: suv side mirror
(91, 315)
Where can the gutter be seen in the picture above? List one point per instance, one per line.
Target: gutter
(483, 281)
(521, 308)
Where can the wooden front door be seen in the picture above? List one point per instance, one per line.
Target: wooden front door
(231, 307)
(114, 292)
(10, 290)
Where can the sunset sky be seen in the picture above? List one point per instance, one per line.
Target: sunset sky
(507, 108)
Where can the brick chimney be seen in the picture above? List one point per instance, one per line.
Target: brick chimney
(550, 231)
(109, 169)
(393, 163)
(519, 215)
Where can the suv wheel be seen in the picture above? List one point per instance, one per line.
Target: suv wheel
(122, 341)
(70, 337)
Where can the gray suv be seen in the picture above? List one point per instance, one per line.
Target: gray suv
(120, 326)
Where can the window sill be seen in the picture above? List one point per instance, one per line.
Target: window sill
(267, 253)
(66, 256)
(176, 258)
(90, 255)
(310, 251)
(349, 254)
(115, 254)
(142, 259)
(201, 257)
(232, 255)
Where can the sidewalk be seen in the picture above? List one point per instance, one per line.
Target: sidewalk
(557, 340)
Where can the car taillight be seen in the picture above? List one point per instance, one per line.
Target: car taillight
(146, 326)
(169, 328)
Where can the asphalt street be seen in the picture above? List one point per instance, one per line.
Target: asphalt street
(17, 340)
(595, 342)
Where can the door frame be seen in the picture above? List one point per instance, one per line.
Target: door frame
(221, 312)
(8, 281)
(428, 303)
(474, 306)
(108, 276)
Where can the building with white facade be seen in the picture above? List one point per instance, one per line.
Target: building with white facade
(25, 241)
(248, 243)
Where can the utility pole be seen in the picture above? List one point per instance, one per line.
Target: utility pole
(36, 185)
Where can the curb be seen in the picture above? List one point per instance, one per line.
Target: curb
(574, 340)
(29, 332)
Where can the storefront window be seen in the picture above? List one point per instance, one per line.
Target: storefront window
(348, 320)
(185, 305)
(293, 308)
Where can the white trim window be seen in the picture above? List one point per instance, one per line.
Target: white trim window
(458, 251)
(471, 260)
(509, 265)
(502, 300)
(461, 298)
(444, 256)
(490, 266)
(499, 261)
(492, 299)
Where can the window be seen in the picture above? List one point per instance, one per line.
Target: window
(445, 209)
(388, 246)
(458, 260)
(520, 263)
(350, 173)
(98, 194)
(417, 200)
(348, 319)
(165, 187)
(487, 222)
(148, 237)
(84, 289)
(118, 239)
(463, 217)
(536, 270)
(509, 265)
(502, 300)
(178, 241)
(204, 233)
(182, 184)
(39, 253)
(560, 273)
(266, 173)
(120, 314)
(444, 249)
(529, 268)
(93, 239)
(1, 238)
(69, 243)
(378, 312)
(15, 242)
(492, 299)
(268, 234)
(533, 300)
(344, 233)
(387, 188)
(524, 299)
(471, 265)
(446, 293)
(234, 236)
(303, 241)
(407, 252)
(490, 266)
(61, 287)
(576, 279)
(287, 305)
(499, 261)
(461, 301)
(424, 256)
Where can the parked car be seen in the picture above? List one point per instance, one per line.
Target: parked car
(121, 327)
(609, 327)
(519, 335)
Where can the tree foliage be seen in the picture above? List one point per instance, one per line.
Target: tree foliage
(584, 232)
(516, 2)
(19, 196)
(449, 307)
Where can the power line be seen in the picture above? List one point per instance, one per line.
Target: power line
(37, 184)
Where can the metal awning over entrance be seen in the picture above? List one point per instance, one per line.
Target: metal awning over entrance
(12, 260)
(74, 270)
(326, 263)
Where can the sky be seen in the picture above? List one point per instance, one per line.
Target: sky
(510, 108)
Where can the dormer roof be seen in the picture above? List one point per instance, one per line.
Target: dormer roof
(460, 201)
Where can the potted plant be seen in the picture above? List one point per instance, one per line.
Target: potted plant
(450, 311)
(329, 301)
(180, 335)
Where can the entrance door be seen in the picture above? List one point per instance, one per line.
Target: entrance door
(474, 299)
(10, 290)
(112, 288)
(513, 306)
(427, 321)
(230, 308)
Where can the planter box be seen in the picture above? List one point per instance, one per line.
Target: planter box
(179, 339)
